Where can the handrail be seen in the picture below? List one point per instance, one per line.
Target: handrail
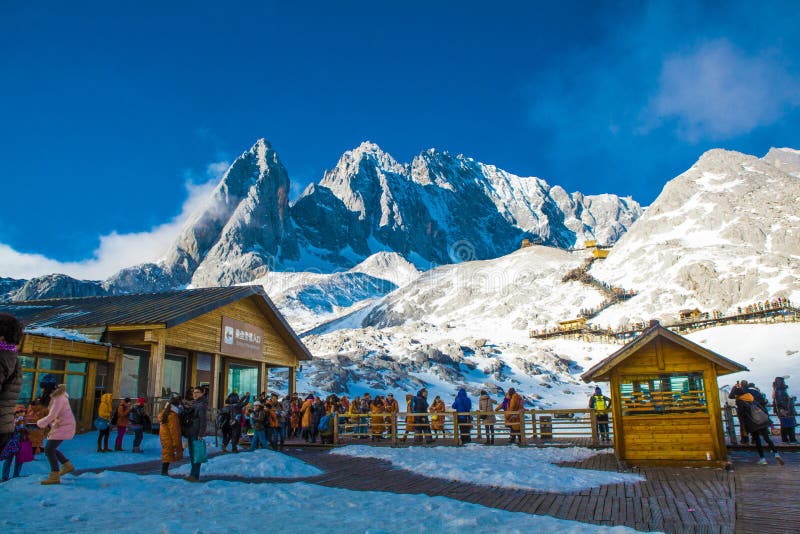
(526, 425)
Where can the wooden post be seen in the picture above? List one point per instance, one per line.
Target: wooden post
(616, 417)
(88, 397)
(217, 384)
(522, 440)
(593, 420)
(394, 429)
(292, 380)
(155, 375)
(456, 430)
(534, 431)
(335, 428)
(729, 423)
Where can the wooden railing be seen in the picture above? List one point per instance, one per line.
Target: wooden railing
(567, 426)
(730, 422)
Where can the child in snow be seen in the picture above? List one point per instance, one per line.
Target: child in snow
(13, 450)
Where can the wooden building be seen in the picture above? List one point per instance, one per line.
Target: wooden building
(572, 325)
(591, 243)
(600, 253)
(689, 314)
(665, 399)
(155, 345)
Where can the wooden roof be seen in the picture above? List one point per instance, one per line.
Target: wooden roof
(166, 309)
(601, 371)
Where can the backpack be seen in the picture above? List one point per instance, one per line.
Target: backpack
(223, 417)
(600, 403)
(323, 423)
(759, 416)
(187, 421)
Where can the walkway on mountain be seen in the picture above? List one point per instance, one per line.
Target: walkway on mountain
(748, 498)
(614, 294)
(782, 312)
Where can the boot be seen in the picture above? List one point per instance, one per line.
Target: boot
(165, 468)
(66, 468)
(100, 449)
(779, 459)
(137, 449)
(54, 478)
(492, 441)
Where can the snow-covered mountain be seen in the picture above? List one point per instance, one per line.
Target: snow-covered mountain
(438, 209)
(442, 209)
(723, 234)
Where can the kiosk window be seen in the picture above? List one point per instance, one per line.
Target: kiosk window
(663, 394)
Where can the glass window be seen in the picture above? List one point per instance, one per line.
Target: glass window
(75, 385)
(243, 379)
(174, 371)
(26, 393)
(76, 367)
(663, 394)
(27, 362)
(51, 364)
(129, 384)
(203, 361)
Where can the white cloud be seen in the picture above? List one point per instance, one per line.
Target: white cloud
(116, 251)
(718, 91)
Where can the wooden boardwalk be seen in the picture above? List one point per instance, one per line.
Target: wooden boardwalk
(747, 499)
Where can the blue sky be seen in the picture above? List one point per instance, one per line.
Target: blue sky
(115, 117)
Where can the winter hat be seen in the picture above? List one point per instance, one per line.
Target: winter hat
(48, 382)
(141, 400)
(257, 403)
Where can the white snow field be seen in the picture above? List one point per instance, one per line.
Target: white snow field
(767, 350)
(261, 463)
(82, 452)
(527, 468)
(124, 502)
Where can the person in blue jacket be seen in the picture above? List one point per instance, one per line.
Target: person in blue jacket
(462, 404)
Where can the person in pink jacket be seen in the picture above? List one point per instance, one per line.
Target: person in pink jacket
(62, 427)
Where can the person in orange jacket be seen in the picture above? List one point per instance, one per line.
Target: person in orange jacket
(512, 414)
(169, 433)
(376, 420)
(305, 415)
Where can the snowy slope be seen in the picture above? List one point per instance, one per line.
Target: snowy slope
(717, 237)
(723, 234)
(465, 324)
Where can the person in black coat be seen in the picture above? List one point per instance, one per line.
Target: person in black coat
(10, 374)
(198, 428)
(419, 404)
(755, 418)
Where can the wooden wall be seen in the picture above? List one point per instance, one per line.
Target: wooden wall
(690, 437)
(203, 333)
(66, 348)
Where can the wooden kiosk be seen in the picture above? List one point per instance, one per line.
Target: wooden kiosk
(665, 400)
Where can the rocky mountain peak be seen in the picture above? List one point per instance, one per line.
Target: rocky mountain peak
(784, 159)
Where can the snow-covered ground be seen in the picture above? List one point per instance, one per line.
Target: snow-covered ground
(261, 463)
(82, 452)
(526, 468)
(124, 502)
